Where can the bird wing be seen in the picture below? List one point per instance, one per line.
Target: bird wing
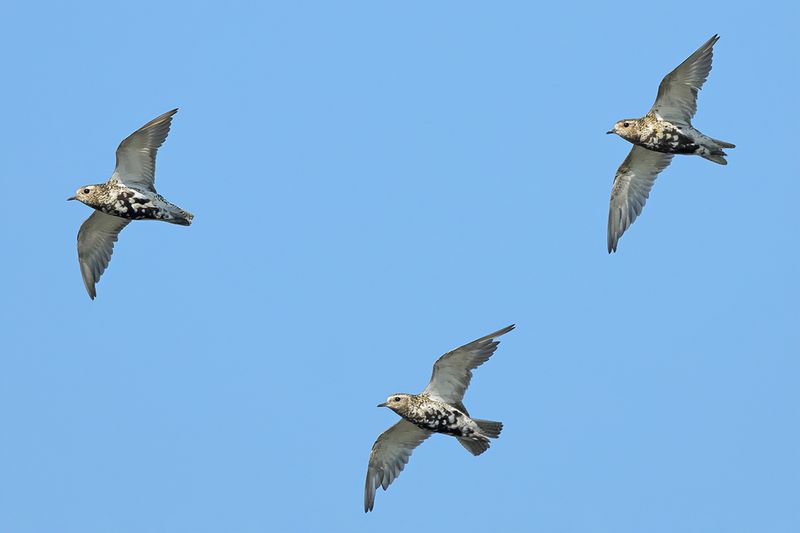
(389, 456)
(96, 240)
(677, 94)
(452, 372)
(136, 155)
(632, 184)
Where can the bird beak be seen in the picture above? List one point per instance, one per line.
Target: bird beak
(382, 404)
(610, 131)
(71, 198)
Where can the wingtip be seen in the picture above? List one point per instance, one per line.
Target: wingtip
(90, 288)
(500, 332)
(87, 280)
(611, 238)
(164, 116)
(369, 492)
(369, 501)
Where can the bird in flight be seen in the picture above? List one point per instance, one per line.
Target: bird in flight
(437, 409)
(665, 130)
(128, 195)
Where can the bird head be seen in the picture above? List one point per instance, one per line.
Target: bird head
(625, 128)
(399, 403)
(85, 194)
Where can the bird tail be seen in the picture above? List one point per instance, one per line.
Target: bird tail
(479, 443)
(475, 445)
(723, 144)
(713, 150)
(489, 428)
(716, 158)
(181, 217)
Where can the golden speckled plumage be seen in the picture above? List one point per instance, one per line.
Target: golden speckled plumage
(438, 409)
(665, 130)
(128, 195)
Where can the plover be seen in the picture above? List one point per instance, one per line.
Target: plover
(665, 130)
(128, 195)
(437, 409)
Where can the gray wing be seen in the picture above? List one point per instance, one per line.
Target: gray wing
(452, 372)
(96, 240)
(389, 456)
(677, 94)
(632, 184)
(136, 155)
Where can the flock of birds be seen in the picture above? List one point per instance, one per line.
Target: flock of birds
(665, 130)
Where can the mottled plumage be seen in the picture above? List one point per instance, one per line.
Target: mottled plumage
(128, 195)
(665, 130)
(438, 409)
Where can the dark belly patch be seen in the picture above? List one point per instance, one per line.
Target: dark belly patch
(441, 421)
(670, 141)
(128, 205)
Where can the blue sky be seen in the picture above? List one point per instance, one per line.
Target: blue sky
(375, 184)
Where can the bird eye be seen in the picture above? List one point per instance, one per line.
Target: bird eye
(625, 124)
(397, 398)
(85, 191)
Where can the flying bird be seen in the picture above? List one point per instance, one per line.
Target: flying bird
(437, 409)
(128, 195)
(665, 130)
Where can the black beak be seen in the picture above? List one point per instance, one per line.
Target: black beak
(382, 404)
(71, 198)
(610, 131)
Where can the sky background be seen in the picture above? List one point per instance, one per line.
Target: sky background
(374, 184)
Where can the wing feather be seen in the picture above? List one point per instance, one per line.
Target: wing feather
(136, 155)
(96, 240)
(632, 185)
(452, 372)
(389, 456)
(677, 95)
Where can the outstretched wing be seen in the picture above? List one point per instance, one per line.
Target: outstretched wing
(452, 372)
(96, 240)
(632, 184)
(677, 94)
(389, 456)
(136, 155)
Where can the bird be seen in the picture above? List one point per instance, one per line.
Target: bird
(128, 195)
(437, 409)
(664, 131)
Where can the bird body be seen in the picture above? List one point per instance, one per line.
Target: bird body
(655, 133)
(438, 409)
(129, 194)
(438, 417)
(664, 131)
(133, 204)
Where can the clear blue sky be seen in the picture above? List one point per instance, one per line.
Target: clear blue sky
(375, 183)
